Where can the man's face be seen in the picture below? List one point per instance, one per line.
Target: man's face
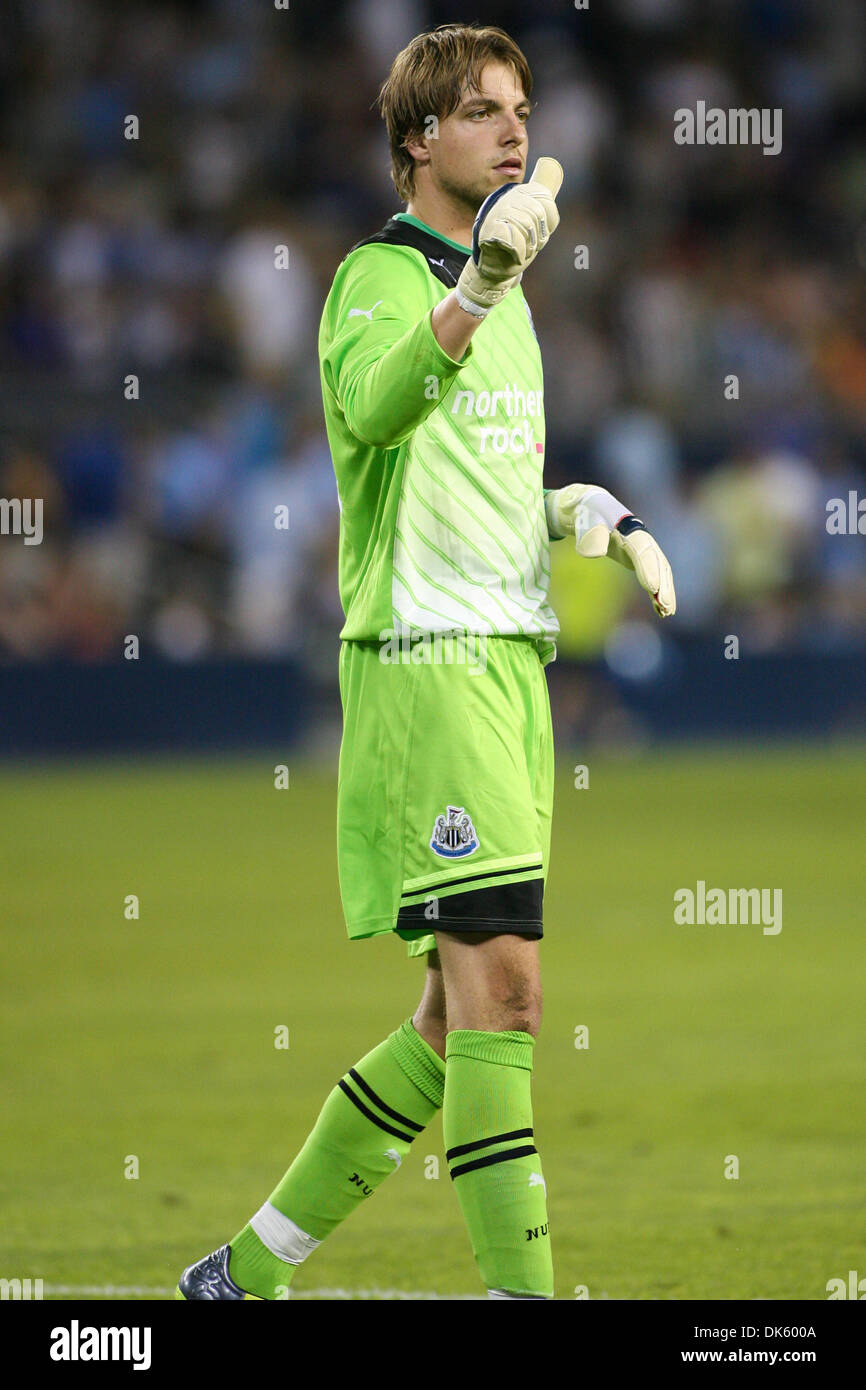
(483, 144)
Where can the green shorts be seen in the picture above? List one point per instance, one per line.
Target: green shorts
(445, 791)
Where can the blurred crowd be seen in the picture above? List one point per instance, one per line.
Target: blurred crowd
(708, 363)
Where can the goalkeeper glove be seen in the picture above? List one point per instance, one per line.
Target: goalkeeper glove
(603, 526)
(512, 226)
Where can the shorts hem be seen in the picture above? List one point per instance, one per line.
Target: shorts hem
(373, 926)
(483, 923)
(457, 925)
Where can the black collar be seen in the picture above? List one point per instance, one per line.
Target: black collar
(445, 261)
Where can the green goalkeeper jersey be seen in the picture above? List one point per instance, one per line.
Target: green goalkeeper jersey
(438, 462)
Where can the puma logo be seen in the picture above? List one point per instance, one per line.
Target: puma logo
(367, 313)
(444, 267)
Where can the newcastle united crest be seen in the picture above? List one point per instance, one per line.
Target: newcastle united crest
(454, 834)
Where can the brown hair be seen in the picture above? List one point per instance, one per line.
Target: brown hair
(429, 78)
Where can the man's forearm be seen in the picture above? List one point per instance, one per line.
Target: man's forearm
(453, 327)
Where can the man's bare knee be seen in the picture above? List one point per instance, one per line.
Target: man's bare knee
(492, 981)
(521, 1013)
(517, 1010)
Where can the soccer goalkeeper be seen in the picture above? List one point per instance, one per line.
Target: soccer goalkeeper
(433, 398)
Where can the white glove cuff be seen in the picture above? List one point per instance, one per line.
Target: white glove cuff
(476, 310)
(579, 507)
(605, 505)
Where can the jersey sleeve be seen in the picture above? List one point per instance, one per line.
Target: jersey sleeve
(380, 358)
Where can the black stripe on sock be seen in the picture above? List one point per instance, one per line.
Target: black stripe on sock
(493, 1158)
(485, 1143)
(389, 1129)
(371, 1094)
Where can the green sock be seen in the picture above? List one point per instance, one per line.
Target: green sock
(496, 1171)
(363, 1133)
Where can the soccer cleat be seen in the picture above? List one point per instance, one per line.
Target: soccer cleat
(210, 1279)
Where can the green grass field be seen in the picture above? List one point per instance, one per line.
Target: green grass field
(155, 1037)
